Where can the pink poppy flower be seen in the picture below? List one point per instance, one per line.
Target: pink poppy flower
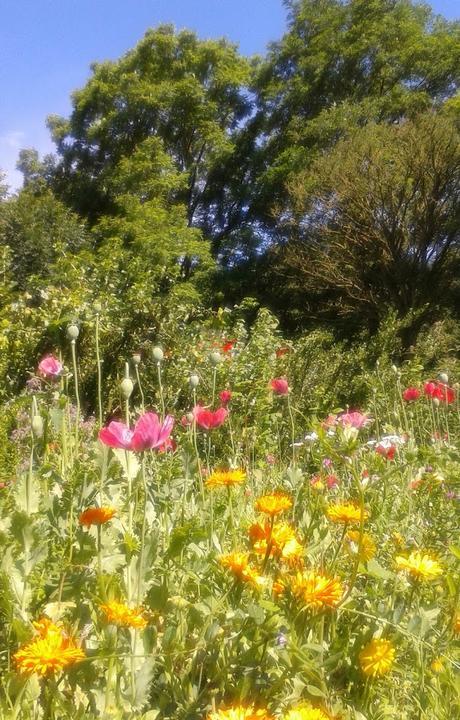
(429, 388)
(387, 452)
(50, 367)
(439, 391)
(116, 435)
(354, 419)
(149, 433)
(411, 394)
(209, 419)
(279, 386)
(447, 393)
(225, 396)
(332, 481)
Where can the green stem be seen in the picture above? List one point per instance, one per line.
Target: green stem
(99, 372)
(77, 393)
(138, 380)
(160, 385)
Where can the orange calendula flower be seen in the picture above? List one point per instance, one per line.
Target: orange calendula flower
(377, 657)
(120, 614)
(225, 478)
(307, 712)
(282, 539)
(273, 504)
(278, 587)
(238, 563)
(52, 651)
(96, 515)
(368, 547)
(240, 712)
(315, 590)
(348, 512)
(420, 565)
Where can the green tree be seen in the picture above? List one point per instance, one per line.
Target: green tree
(377, 227)
(174, 98)
(35, 229)
(340, 65)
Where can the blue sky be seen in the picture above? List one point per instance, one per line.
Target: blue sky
(46, 47)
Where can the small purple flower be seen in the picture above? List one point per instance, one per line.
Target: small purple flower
(281, 639)
(33, 384)
(327, 462)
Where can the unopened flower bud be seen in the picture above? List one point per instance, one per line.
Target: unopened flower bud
(73, 331)
(189, 417)
(215, 358)
(157, 354)
(97, 307)
(443, 377)
(37, 426)
(126, 387)
(194, 380)
(436, 401)
(136, 359)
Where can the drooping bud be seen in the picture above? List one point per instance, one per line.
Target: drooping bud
(73, 332)
(194, 380)
(157, 354)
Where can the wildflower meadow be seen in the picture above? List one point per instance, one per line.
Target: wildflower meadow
(230, 360)
(210, 550)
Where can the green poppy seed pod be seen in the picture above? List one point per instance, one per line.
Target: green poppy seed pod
(126, 387)
(37, 426)
(443, 377)
(194, 380)
(136, 359)
(73, 331)
(157, 354)
(215, 358)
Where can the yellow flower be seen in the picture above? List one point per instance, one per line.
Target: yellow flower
(96, 515)
(368, 547)
(345, 513)
(282, 539)
(50, 652)
(225, 478)
(316, 591)
(273, 504)
(437, 665)
(307, 712)
(238, 563)
(377, 657)
(456, 623)
(420, 565)
(240, 712)
(117, 613)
